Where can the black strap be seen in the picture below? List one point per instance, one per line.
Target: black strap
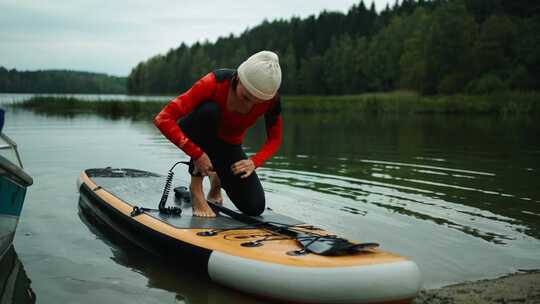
(327, 245)
(140, 210)
(165, 210)
(224, 74)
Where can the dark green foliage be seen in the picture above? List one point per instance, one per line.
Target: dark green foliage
(527, 49)
(448, 49)
(301, 43)
(52, 81)
(407, 103)
(523, 8)
(68, 106)
(486, 84)
(413, 72)
(482, 9)
(399, 102)
(494, 48)
(431, 47)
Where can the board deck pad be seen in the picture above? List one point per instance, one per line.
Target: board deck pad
(144, 189)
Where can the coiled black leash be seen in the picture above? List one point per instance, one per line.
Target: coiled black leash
(166, 189)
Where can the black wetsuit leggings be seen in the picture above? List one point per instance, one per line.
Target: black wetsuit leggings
(201, 127)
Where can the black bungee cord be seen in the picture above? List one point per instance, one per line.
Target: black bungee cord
(166, 190)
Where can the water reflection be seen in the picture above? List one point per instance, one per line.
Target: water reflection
(14, 283)
(7, 98)
(418, 203)
(472, 174)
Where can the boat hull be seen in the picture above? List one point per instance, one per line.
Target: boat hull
(13, 185)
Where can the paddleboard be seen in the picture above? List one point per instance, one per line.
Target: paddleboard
(243, 255)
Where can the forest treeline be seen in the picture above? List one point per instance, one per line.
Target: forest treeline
(59, 81)
(431, 47)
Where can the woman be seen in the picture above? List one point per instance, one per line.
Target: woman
(209, 121)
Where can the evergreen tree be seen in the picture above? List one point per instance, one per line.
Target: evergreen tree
(493, 48)
(289, 68)
(449, 49)
(432, 46)
(59, 81)
(413, 73)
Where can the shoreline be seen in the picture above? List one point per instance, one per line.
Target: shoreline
(402, 103)
(521, 287)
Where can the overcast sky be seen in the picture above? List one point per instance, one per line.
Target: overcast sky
(113, 36)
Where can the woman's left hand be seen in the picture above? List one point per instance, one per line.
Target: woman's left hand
(245, 166)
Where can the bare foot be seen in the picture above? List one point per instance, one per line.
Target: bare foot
(199, 204)
(201, 209)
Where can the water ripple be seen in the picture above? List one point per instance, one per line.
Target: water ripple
(363, 197)
(425, 166)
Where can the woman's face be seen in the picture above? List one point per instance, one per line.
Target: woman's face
(244, 96)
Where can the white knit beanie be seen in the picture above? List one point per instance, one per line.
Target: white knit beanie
(260, 74)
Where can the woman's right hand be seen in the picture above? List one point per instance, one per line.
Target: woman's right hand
(203, 165)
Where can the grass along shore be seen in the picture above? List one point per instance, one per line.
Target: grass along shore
(54, 105)
(404, 103)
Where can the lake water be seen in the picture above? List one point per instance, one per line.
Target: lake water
(458, 195)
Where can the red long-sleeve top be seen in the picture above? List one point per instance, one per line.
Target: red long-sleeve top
(232, 126)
